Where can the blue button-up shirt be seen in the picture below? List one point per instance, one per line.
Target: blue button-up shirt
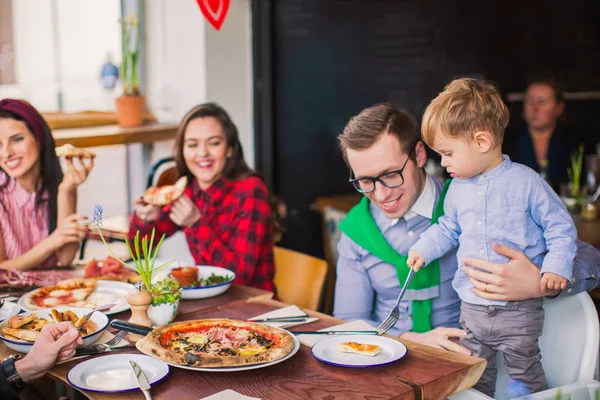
(509, 205)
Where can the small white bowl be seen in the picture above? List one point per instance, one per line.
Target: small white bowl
(23, 347)
(203, 292)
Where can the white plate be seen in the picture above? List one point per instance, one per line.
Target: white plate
(202, 292)
(246, 367)
(106, 292)
(23, 347)
(392, 351)
(112, 373)
(8, 310)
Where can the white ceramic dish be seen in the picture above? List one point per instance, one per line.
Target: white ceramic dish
(8, 310)
(112, 373)
(247, 367)
(203, 292)
(23, 347)
(392, 351)
(106, 292)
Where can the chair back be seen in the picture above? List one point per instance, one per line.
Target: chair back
(162, 173)
(569, 344)
(299, 278)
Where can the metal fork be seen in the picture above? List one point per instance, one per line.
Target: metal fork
(394, 315)
(111, 343)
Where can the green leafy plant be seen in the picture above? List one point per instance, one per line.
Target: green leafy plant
(165, 292)
(130, 46)
(142, 253)
(575, 172)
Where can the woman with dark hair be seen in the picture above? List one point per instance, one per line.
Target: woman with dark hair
(38, 224)
(542, 142)
(225, 211)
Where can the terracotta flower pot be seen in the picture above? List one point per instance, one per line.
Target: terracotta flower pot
(130, 110)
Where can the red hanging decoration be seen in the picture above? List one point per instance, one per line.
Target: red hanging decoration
(214, 11)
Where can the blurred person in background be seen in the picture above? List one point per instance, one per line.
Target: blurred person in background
(542, 142)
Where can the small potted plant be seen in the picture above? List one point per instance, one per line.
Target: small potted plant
(148, 295)
(130, 106)
(165, 301)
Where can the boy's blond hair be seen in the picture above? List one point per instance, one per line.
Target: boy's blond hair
(464, 107)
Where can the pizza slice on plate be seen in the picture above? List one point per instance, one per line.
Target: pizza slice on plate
(68, 150)
(160, 196)
(358, 348)
(214, 343)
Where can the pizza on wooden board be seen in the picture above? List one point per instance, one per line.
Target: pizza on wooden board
(68, 150)
(72, 292)
(214, 343)
(161, 196)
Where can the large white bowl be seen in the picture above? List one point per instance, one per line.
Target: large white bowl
(202, 292)
(23, 347)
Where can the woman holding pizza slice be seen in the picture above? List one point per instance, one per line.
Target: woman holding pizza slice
(224, 210)
(38, 223)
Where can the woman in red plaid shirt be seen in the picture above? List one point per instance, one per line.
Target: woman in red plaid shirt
(225, 211)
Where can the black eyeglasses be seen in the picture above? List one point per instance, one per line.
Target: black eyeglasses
(390, 179)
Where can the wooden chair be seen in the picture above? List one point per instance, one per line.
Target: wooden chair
(299, 278)
(167, 175)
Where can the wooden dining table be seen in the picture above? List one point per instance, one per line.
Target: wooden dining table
(424, 373)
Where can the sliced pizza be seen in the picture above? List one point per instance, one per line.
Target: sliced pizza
(358, 348)
(68, 150)
(214, 343)
(160, 196)
(72, 292)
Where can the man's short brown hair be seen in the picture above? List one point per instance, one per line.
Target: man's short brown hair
(464, 107)
(365, 128)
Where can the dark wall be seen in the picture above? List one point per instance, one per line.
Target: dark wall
(330, 59)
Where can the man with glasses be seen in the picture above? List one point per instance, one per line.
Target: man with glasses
(383, 150)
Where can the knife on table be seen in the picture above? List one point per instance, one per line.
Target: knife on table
(301, 318)
(93, 351)
(141, 379)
